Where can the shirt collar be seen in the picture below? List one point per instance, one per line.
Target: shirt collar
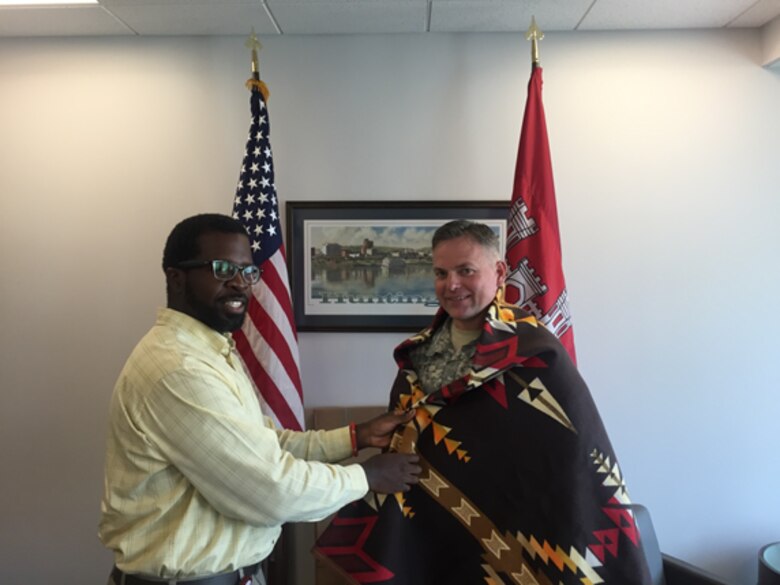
(222, 343)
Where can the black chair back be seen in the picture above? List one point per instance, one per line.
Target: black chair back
(769, 565)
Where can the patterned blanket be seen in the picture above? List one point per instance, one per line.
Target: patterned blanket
(519, 482)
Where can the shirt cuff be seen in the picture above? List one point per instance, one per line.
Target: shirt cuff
(358, 478)
(342, 443)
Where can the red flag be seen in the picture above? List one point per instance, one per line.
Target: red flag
(268, 342)
(533, 247)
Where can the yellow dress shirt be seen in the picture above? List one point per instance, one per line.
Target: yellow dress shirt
(197, 480)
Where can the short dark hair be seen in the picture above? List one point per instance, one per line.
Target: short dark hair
(182, 243)
(479, 232)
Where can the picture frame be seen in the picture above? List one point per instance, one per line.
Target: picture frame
(366, 265)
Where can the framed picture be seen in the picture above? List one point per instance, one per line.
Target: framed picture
(366, 266)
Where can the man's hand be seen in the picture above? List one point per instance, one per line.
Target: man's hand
(378, 431)
(389, 473)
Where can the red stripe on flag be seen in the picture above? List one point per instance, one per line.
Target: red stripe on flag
(265, 384)
(282, 290)
(269, 331)
(277, 285)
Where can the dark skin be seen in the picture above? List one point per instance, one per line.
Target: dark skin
(387, 473)
(221, 305)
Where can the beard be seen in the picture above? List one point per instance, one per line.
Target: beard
(212, 316)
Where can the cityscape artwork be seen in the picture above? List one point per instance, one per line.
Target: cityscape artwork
(370, 268)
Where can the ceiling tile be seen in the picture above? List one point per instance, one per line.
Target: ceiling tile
(662, 14)
(758, 14)
(16, 21)
(236, 17)
(197, 17)
(505, 15)
(353, 17)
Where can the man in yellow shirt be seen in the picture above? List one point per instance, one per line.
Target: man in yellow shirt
(198, 482)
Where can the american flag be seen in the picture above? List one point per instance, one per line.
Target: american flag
(267, 343)
(533, 246)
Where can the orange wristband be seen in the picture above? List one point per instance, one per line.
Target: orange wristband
(353, 438)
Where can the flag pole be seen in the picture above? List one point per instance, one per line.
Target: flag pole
(254, 82)
(534, 34)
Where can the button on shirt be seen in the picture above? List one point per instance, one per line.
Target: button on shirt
(197, 480)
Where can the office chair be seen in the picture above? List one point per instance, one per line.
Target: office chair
(666, 569)
(769, 565)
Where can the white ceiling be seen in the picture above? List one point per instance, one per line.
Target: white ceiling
(270, 17)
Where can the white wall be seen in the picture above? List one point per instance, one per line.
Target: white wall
(665, 155)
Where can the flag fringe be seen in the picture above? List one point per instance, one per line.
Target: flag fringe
(259, 85)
